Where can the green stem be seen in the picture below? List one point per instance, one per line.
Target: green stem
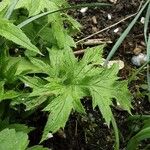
(148, 67)
(114, 124)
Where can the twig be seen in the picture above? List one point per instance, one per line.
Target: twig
(79, 52)
(96, 41)
(106, 28)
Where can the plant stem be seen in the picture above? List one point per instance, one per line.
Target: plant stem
(114, 124)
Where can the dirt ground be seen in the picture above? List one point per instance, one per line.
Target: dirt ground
(90, 132)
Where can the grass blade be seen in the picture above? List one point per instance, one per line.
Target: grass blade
(148, 67)
(134, 141)
(147, 18)
(51, 12)
(11, 8)
(124, 34)
(137, 72)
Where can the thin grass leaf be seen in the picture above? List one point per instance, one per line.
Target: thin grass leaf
(137, 72)
(134, 141)
(63, 9)
(146, 23)
(148, 67)
(11, 8)
(124, 34)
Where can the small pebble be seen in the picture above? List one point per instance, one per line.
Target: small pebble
(94, 29)
(26, 85)
(83, 10)
(143, 43)
(137, 50)
(142, 20)
(139, 59)
(113, 1)
(49, 135)
(116, 30)
(112, 62)
(94, 20)
(109, 16)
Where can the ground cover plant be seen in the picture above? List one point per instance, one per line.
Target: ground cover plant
(43, 84)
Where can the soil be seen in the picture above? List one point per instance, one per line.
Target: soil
(90, 132)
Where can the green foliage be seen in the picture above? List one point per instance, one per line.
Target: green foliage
(13, 33)
(12, 140)
(54, 81)
(17, 127)
(143, 133)
(69, 80)
(9, 94)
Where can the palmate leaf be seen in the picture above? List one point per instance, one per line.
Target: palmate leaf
(71, 79)
(13, 33)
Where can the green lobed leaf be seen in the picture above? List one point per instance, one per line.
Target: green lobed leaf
(13, 33)
(71, 79)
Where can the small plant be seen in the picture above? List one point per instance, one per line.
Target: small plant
(68, 80)
(143, 132)
(39, 71)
